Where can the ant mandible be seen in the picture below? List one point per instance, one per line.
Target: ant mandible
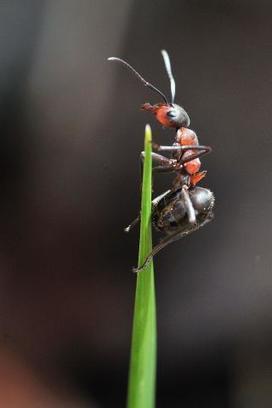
(185, 207)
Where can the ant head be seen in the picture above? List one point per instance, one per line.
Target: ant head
(178, 116)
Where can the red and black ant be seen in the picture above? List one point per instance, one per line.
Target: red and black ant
(185, 207)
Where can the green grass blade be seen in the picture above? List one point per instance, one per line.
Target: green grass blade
(142, 372)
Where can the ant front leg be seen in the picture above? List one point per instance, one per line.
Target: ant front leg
(160, 164)
(199, 150)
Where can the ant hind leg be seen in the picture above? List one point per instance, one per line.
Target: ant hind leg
(172, 238)
(164, 242)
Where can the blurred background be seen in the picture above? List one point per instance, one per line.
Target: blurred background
(71, 132)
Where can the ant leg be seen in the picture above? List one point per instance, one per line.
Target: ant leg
(132, 224)
(157, 199)
(160, 163)
(176, 235)
(169, 239)
(164, 242)
(154, 203)
(137, 219)
(200, 150)
(188, 205)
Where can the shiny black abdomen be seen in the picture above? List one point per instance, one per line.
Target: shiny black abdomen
(169, 214)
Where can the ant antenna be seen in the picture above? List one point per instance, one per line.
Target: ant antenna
(167, 64)
(148, 84)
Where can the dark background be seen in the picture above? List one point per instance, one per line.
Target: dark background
(71, 132)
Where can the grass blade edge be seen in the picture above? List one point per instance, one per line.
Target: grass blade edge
(142, 371)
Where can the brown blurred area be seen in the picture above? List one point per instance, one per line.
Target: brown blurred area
(71, 133)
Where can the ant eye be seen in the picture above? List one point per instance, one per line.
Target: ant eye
(171, 114)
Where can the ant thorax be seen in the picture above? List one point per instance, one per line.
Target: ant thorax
(185, 136)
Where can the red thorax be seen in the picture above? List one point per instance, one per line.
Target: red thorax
(187, 137)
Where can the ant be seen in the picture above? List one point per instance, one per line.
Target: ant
(185, 207)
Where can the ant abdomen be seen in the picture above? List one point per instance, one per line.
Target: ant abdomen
(171, 217)
(202, 199)
(171, 214)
